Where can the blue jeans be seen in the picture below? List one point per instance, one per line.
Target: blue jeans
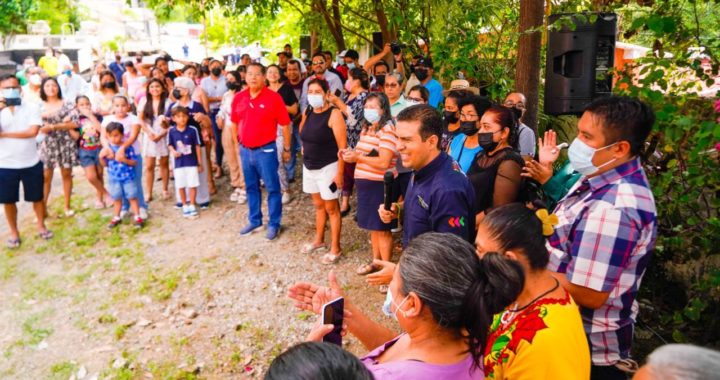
(138, 168)
(219, 151)
(262, 163)
(294, 149)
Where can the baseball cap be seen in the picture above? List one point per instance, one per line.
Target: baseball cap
(425, 62)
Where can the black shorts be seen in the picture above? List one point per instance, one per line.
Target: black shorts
(32, 181)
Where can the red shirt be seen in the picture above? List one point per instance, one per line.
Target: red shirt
(257, 118)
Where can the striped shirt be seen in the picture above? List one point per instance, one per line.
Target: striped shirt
(385, 138)
(604, 240)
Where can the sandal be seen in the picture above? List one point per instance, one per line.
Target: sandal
(46, 235)
(13, 243)
(366, 269)
(330, 258)
(69, 213)
(310, 248)
(99, 205)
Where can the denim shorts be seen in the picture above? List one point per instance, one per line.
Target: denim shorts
(120, 190)
(89, 157)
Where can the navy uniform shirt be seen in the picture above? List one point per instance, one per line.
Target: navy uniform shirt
(439, 198)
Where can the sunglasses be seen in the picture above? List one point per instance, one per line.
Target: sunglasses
(392, 85)
(319, 63)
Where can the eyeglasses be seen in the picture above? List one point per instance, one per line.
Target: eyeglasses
(510, 103)
(319, 63)
(392, 85)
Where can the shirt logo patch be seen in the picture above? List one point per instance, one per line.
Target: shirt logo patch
(422, 202)
(457, 221)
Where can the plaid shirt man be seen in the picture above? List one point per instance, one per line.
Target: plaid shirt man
(606, 232)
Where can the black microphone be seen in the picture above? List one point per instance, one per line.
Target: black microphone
(388, 181)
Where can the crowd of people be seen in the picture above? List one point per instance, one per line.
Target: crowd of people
(489, 283)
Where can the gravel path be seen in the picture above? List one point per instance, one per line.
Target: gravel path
(178, 299)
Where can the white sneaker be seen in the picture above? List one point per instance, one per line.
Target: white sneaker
(192, 211)
(286, 198)
(186, 211)
(242, 197)
(143, 213)
(124, 214)
(234, 195)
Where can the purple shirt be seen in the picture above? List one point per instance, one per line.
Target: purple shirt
(417, 370)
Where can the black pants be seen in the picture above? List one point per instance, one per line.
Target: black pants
(607, 372)
(219, 151)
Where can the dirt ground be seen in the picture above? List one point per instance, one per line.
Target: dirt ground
(179, 299)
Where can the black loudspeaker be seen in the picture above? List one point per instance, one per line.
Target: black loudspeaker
(578, 62)
(378, 43)
(305, 44)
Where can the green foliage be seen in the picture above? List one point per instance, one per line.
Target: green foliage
(13, 15)
(682, 283)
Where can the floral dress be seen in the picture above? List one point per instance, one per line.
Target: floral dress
(354, 120)
(59, 149)
(158, 148)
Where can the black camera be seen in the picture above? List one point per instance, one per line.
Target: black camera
(396, 47)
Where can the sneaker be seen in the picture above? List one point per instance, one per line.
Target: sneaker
(249, 228)
(234, 195)
(204, 206)
(242, 197)
(139, 223)
(186, 211)
(114, 222)
(286, 198)
(272, 233)
(143, 213)
(179, 206)
(192, 211)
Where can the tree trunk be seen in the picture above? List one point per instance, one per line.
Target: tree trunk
(388, 35)
(333, 21)
(527, 68)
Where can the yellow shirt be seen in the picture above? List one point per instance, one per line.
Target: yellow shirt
(49, 64)
(544, 341)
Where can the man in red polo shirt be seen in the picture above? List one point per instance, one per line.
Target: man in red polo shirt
(257, 111)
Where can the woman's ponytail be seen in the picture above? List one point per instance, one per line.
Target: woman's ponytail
(498, 283)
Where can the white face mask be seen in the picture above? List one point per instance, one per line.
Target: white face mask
(386, 308)
(371, 115)
(315, 100)
(581, 155)
(35, 79)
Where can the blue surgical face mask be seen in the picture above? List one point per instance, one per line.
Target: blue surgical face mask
(350, 65)
(581, 155)
(386, 308)
(67, 72)
(12, 96)
(315, 100)
(371, 115)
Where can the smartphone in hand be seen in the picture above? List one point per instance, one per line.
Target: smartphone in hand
(332, 314)
(333, 187)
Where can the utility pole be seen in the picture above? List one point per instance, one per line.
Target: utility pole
(205, 29)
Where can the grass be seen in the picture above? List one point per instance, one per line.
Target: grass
(43, 289)
(62, 370)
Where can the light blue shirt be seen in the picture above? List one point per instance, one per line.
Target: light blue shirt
(435, 89)
(463, 155)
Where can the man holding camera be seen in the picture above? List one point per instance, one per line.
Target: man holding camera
(19, 161)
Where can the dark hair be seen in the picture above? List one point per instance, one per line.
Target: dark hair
(129, 64)
(327, 52)
(318, 54)
(360, 74)
(507, 118)
(384, 106)
(114, 126)
(294, 62)
(465, 291)
(235, 74)
(43, 95)
(480, 103)
(109, 73)
(245, 55)
(320, 82)
(77, 98)
(515, 227)
(317, 361)
(424, 93)
(188, 67)
(148, 111)
(255, 64)
(178, 110)
(5, 77)
(623, 118)
(160, 58)
(241, 69)
(459, 95)
(155, 68)
(430, 121)
(275, 65)
(120, 96)
(382, 63)
(287, 45)
(214, 60)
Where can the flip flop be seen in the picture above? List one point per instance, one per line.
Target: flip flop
(330, 258)
(46, 235)
(13, 243)
(310, 248)
(366, 269)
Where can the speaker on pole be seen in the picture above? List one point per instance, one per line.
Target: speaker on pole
(578, 61)
(305, 44)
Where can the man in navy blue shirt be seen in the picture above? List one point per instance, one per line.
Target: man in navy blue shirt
(439, 197)
(117, 68)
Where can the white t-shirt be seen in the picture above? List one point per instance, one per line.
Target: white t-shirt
(19, 153)
(127, 123)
